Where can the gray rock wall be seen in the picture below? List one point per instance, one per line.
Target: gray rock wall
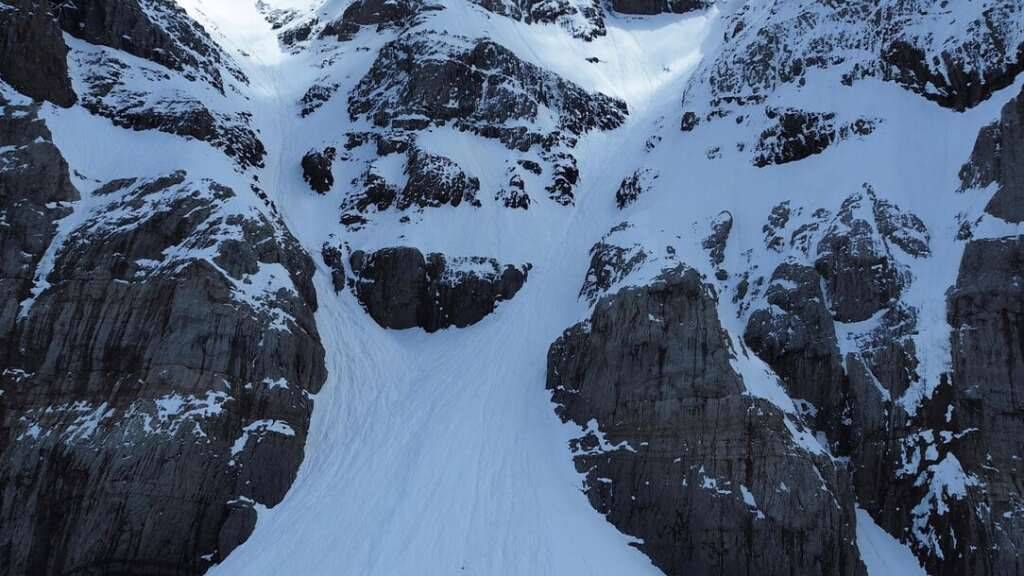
(998, 158)
(33, 56)
(155, 395)
(677, 454)
(986, 312)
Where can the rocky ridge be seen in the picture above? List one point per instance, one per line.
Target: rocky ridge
(126, 314)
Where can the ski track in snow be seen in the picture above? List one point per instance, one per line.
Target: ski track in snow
(428, 454)
(441, 453)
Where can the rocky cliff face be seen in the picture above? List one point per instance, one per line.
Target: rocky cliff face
(788, 289)
(36, 192)
(711, 480)
(997, 159)
(33, 57)
(156, 30)
(157, 344)
(985, 407)
(138, 362)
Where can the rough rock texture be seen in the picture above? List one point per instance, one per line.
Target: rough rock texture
(610, 262)
(856, 251)
(35, 192)
(419, 81)
(514, 195)
(435, 181)
(834, 327)
(33, 56)
(158, 389)
(798, 134)
(334, 257)
(424, 80)
(677, 454)
(998, 158)
(634, 186)
(156, 30)
(431, 181)
(316, 96)
(860, 278)
(955, 58)
(716, 242)
(583, 18)
(797, 338)
(316, 169)
(659, 6)
(380, 13)
(145, 97)
(986, 312)
(401, 288)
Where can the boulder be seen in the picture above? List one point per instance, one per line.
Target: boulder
(400, 288)
(316, 169)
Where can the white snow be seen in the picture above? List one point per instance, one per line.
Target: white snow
(258, 429)
(882, 554)
(441, 453)
(748, 499)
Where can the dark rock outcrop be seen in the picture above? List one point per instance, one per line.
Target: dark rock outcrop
(716, 242)
(986, 312)
(400, 288)
(33, 56)
(843, 342)
(335, 259)
(610, 263)
(998, 158)
(860, 278)
(156, 30)
(796, 336)
(514, 195)
(427, 79)
(648, 7)
(583, 18)
(35, 192)
(418, 82)
(797, 134)
(634, 186)
(316, 169)
(432, 181)
(436, 181)
(676, 453)
(316, 96)
(955, 58)
(113, 92)
(380, 13)
(159, 388)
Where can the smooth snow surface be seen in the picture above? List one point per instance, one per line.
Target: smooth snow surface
(882, 554)
(440, 453)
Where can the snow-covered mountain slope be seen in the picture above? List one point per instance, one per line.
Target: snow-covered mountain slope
(433, 286)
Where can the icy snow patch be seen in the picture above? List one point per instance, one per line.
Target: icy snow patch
(881, 553)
